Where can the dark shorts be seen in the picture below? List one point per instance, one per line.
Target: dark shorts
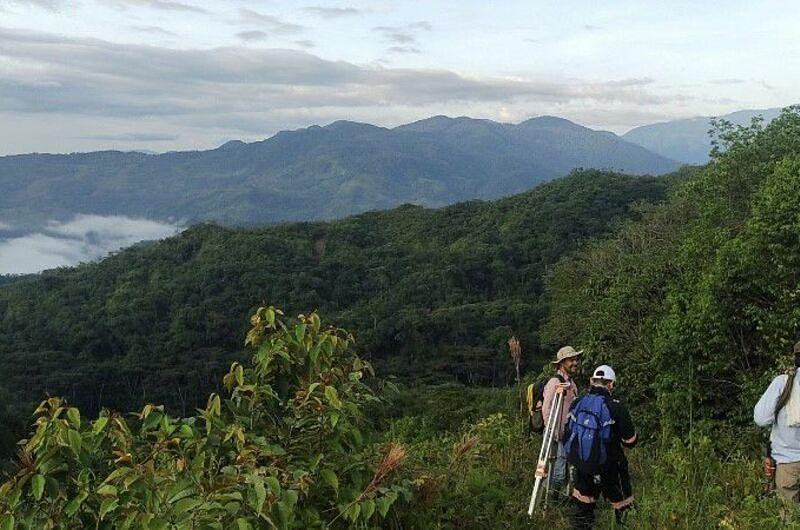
(614, 482)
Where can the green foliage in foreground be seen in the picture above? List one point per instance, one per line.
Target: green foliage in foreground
(287, 449)
(476, 471)
(284, 449)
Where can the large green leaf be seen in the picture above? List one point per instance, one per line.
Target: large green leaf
(107, 506)
(74, 417)
(330, 478)
(367, 509)
(180, 490)
(260, 496)
(332, 396)
(75, 441)
(37, 486)
(100, 424)
(74, 505)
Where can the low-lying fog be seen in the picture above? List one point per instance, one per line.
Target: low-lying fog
(81, 239)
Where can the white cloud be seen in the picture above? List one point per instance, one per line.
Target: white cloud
(154, 30)
(51, 5)
(404, 35)
(108, 70)
(165, 98)
(44, 73)
(82, 239)
(332, 12)
(270, 22)
(161, 5)
(252, 35)
(133, 137)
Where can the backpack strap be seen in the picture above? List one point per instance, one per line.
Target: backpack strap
(529, 398)
(786, 393)
(611, 420)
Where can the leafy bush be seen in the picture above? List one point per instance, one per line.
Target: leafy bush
(284, 449)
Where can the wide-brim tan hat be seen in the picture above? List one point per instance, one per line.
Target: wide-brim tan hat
(566, 352)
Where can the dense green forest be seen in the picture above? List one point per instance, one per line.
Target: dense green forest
(9, 278)
(431, 295)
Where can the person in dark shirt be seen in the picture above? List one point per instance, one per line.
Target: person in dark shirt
(614, 480)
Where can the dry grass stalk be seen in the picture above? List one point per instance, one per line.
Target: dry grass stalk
(515, 350)
(393, 459)
(461, 450)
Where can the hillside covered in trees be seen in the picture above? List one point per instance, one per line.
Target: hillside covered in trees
(431, 295)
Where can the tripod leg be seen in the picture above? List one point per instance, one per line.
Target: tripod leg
(541, 463)
(543, 467)
(549, 482)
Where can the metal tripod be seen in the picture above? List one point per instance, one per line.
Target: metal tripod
(544, 466)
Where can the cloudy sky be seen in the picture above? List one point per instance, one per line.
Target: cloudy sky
(78, 75)
(80, 239)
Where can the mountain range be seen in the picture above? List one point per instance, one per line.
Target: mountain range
(317, 172)
(688, 140)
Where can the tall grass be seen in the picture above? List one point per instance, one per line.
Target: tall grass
(474, 470)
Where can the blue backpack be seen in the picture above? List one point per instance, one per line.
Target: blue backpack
(589, 429)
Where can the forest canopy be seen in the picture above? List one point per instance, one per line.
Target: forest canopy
(431, 295)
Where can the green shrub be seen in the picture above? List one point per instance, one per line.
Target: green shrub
(284, 449)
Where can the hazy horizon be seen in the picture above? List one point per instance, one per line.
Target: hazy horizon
(191, 74)
(324, 124)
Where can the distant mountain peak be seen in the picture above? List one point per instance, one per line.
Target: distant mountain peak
(687, 139)
(443, 123)
(232, 144)
(551, 122)
(346, 125)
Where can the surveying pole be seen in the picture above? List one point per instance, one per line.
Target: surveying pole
(544, 465)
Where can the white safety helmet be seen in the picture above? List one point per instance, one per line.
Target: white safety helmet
(604, 371)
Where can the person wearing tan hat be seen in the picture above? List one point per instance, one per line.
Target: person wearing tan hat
(566, 364)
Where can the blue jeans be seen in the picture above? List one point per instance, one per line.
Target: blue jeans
(558, 474)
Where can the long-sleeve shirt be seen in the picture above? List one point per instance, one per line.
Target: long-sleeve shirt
(549, 396)
(785, 440)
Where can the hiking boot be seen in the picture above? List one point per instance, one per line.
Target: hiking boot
(558, 497)
(581, 515)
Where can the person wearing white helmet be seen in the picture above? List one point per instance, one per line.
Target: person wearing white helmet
(598, 429)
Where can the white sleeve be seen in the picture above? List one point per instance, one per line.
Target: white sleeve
(764, 411)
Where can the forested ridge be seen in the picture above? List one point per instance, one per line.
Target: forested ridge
(691, 296)
(431, 295)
